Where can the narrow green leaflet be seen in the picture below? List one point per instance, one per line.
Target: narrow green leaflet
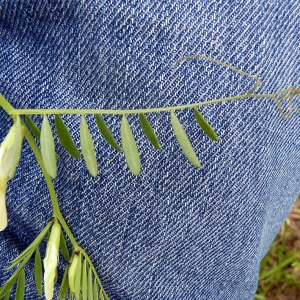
(7, 296)
(65, 137)
(184, 141)
(18, 259)
(35, 131)
(87, 147)
(48, 148)
(20, 286)
(63, 247)
(32, 246)
(106, 133)
(64, 287)
(149, 132)
(38, 272)
(105, 295)
(90, 285)
(101, 295)
(95, 289)
(17, 147)
(78, 278)
(129, 146)
(33, 128)
(29, 252)
(84, 281)
(6, 288)
(205, 126)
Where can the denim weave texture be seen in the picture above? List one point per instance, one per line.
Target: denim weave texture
(174, 231)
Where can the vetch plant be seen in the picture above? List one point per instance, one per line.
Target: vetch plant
(80, 279)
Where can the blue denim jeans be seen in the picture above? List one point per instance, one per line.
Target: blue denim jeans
(174, 231)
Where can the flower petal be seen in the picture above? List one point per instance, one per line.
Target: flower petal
(3, 212)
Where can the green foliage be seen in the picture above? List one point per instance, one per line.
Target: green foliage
(33, 128)
(84, 281)
(65, 137)
(205, 126)
(38, 272)
(20, 290)
(128, 141)
(277, 269)
(64, 287)
(48, 148)
(64, 248)
(95, 290)
(129, 146)
(87, 147)
(106, 133)
(90, 285)
(149, 132)
(80, 277)
(184, 141)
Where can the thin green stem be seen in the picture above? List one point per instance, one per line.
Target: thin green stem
(55, 205)
(74, 111)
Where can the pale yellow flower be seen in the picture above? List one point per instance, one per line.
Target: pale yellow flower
(7, 152)
(51, 260)
(72, 272)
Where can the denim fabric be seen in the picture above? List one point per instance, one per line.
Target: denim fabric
(173, 232)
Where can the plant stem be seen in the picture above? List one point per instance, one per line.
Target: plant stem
(60, 111)
(55, 205)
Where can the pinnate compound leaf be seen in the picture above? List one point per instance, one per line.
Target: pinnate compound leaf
(149, 132)
(19, 132)
(33, 128)
(205, 126)
(184, 141)
(87, 147)
(95, 290)
(65, 137)
(48, 148)
(20, 290)
(64, 287)
(106, 133)
(63, 247)
(38, 272)
(90, 285)
(84, 281)
(129, 146)
(78, 278)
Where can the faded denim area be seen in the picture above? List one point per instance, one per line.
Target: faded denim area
(173, 232)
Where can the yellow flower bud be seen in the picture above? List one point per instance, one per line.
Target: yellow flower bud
(10, 151)
(51, 260)
(72, 272)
